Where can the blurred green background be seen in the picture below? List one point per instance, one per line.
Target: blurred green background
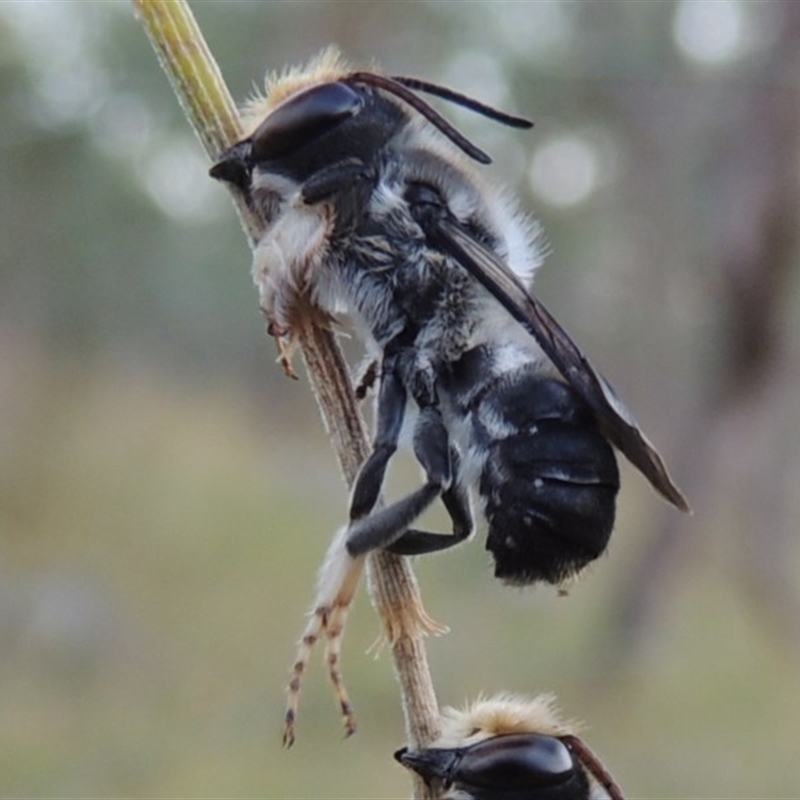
(166, 496)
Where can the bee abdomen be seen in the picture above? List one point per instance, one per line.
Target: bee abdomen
(550, 487)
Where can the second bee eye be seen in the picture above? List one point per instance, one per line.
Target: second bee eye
(304, 118)
(524, 761)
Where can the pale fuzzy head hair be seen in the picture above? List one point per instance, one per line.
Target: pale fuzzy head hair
(500, 715)
(327, 66)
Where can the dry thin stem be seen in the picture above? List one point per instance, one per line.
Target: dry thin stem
(202, 93)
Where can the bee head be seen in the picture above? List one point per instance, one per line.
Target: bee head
(529, 765)
(332, 115)
(324, 124)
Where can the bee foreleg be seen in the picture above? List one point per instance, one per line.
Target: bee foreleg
(347, 185)
(338, 177)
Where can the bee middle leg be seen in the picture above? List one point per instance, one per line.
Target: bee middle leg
(391, 410)
(388, 527)
(456, 501)
(383, 527)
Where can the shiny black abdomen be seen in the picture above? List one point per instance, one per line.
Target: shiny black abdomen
(549, 480)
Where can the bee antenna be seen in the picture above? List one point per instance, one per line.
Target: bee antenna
(406, 94)
(463, 100)
(588, 758)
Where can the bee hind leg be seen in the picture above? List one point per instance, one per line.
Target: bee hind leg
(337, 583)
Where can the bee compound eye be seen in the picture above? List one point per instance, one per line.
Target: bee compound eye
(303, 118)
(516, 761)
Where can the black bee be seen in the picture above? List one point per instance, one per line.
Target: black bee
(374, 209)
(509, 748)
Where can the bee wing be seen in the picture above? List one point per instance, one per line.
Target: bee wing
(616, 422)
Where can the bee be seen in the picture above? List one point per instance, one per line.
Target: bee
(510, 748)
(374, 209)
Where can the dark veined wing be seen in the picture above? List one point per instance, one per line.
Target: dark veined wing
(615, 420)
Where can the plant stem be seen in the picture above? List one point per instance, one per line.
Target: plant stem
(394, 592)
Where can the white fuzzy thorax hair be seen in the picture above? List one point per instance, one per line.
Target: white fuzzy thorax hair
(523, 235)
